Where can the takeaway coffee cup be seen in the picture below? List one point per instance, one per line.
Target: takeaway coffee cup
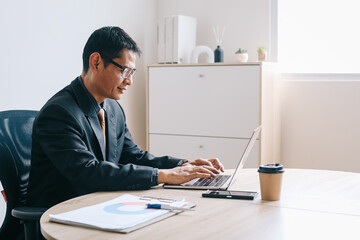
(270, 181)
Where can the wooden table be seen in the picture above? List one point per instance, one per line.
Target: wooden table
(315, 204)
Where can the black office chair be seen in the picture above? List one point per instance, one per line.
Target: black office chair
(15, 154)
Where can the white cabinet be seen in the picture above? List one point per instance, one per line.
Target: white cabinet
(204, 110)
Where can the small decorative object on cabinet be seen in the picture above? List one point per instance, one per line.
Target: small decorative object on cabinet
(189, 115)
(196, 52)
(218, 53)
(262, 53)
(241, 55)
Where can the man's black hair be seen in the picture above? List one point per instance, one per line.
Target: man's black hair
(109, 42)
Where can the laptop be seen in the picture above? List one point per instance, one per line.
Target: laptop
(221, 181)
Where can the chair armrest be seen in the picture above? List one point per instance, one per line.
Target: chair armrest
(28, 213)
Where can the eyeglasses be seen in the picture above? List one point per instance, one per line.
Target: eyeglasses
(125, 71)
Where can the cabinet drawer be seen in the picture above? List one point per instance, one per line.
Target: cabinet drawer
(204, 101)
(228, 150)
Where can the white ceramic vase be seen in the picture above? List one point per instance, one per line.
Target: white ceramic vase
(241, 57)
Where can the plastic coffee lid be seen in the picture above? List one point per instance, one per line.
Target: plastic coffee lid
(271, 168)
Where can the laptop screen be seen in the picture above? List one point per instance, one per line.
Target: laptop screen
(246, 153)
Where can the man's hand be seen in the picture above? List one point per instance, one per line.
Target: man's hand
(200, 168)
(212, 162)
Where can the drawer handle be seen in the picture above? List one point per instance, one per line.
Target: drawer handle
(201, 146)
(201, 75)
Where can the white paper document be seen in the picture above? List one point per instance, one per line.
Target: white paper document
(123, 214)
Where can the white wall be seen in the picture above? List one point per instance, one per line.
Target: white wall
(320, 124)
(42, 43)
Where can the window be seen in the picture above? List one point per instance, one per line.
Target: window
(319, 36)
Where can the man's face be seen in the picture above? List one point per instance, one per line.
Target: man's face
(109, 81)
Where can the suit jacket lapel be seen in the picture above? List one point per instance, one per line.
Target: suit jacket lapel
(111, 135)
(90, 109)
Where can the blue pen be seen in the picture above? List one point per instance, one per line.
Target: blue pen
(167, 207)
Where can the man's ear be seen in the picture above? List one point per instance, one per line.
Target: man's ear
(95, 62)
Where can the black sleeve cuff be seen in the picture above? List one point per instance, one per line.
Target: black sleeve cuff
(154, 177)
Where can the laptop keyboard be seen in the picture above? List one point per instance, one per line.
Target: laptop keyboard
(214, 182)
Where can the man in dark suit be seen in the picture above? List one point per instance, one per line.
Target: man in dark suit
(81, 143)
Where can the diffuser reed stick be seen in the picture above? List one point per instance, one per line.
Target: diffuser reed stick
(219, 34)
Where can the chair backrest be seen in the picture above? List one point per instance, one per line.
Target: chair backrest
(15, 158)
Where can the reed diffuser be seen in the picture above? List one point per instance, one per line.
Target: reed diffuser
(219, 34)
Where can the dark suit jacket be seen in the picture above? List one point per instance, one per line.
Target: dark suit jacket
(68, 152)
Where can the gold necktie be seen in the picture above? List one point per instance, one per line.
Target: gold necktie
(101, 116)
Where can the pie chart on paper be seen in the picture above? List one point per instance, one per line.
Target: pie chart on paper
(129, 208)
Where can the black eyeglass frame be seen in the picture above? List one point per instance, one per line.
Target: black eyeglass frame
(131, 72)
